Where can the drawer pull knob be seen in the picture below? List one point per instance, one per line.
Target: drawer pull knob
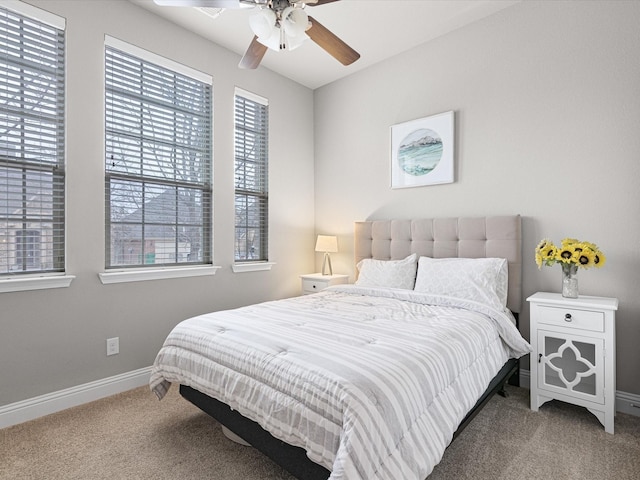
(567, 317)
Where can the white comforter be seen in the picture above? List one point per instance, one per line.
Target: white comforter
(371, 382)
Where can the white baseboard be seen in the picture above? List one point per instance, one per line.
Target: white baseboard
(628, 403)
(625, 402)
(36, 407)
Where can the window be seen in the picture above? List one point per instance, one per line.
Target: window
(158, 161)
(251, 177)
(32, 174)
(28, 246)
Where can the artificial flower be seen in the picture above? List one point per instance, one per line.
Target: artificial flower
(571, 252)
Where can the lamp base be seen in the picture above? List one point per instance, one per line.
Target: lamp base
(327, 262)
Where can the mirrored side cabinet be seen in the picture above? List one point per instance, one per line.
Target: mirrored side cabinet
(573, 358)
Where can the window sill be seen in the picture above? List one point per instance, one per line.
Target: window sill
(35, 283)
(123, 276)
(252, 267)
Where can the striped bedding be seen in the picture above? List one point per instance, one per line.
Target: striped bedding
(371, 382)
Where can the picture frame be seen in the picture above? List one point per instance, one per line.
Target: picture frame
(422, 151)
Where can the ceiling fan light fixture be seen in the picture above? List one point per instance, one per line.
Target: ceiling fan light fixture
(295, 21)
(295, 42)
(273, 40)
(263, 23)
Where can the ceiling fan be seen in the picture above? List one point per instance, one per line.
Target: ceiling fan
(279, 25)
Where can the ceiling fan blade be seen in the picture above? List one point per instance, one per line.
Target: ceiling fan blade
(319, 2)
(332, 44)
(253, 55)
(201, 3)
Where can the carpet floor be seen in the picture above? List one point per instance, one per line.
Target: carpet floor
(133, 436)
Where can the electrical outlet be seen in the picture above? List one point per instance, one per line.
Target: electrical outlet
(113, 346)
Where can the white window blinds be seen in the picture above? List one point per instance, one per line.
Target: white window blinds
(251, 177)
(158, 163)
(32, 175)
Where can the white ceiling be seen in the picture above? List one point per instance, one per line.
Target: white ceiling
(377, 29)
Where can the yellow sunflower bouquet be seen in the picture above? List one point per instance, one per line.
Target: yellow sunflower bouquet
(571, 252)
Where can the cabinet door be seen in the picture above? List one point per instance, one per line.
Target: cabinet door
(572, 365)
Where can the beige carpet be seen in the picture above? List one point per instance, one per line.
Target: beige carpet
(133, 436)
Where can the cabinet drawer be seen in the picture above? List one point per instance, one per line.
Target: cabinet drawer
(571, 317)
(312, 286)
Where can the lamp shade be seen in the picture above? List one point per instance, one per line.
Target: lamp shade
(295, 21)
(327, 243)
(273, 40)
(263, 23)
(295, 42)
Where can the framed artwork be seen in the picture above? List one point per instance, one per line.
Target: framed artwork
(422, 151)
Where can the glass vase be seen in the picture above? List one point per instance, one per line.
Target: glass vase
(569, 280)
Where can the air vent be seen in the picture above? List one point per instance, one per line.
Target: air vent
(210, 12)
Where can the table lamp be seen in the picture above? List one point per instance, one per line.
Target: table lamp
(326, 244)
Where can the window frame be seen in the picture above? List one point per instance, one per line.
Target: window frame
(260, 194)
(54, 276)
(139, 272)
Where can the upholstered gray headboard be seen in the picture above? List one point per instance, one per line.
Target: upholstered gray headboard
(468, 237)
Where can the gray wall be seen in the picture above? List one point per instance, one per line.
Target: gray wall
(54, 339)
(547, 102)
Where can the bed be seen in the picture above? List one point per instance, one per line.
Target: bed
(371, 380)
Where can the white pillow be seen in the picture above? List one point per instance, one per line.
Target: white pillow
(388, 273)
(480, 279)
(502, 287)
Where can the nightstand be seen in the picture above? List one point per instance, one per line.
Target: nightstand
(314, 282)
(574, 357)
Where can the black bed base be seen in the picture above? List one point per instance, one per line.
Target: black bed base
(496, 385)
(294, 459)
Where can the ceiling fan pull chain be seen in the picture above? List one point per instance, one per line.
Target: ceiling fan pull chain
(282, 43)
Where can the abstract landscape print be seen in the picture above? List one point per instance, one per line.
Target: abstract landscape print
(422, 151)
